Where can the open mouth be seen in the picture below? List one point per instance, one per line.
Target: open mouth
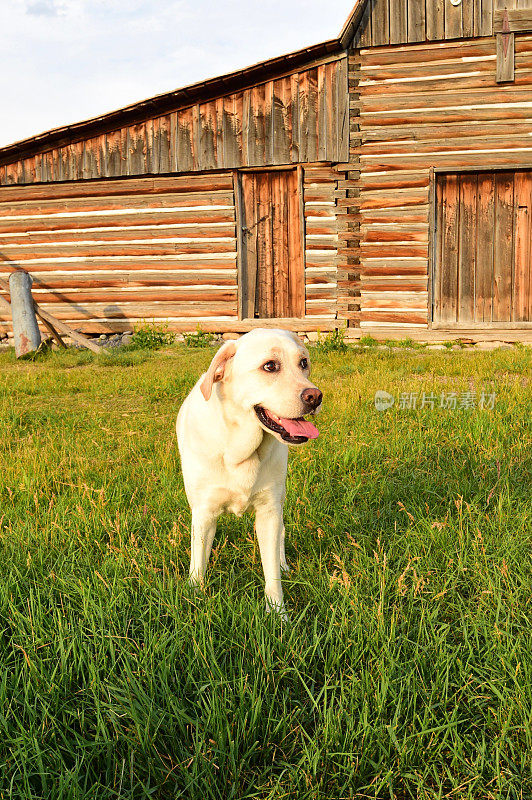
(291, 431)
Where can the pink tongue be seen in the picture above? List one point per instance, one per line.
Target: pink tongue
(300, 427)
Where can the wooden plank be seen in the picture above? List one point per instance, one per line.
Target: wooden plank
(308, 107)
(140, 311)
(185, 156)
(522, 284)
(120, 234)
(231, 149)
(363, 35)
(264, 223)
(122, 278)
(505, 58)
(342, 92)
(295, 118)
(125, 293)
(398, 22)
(151, 248)
(483, 17)
(380, 23)
(129, 186)
(467, 237)
(453, 20)
(435, 19)
(192, 221)
(416, 20)
(323, 116)
(282, 122)
(296, 244)
(332, 111)
(448, 265)
(503, 246)
(178, 261)
(484, 247)
(257, 138)
(207, 158)
(268, 123)
(115, 203)
(280, 255)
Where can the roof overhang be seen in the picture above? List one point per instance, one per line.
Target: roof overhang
(182, 98)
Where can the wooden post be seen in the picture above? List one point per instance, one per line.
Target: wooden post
(25, 329)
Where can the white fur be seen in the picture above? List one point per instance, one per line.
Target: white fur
(231, 462)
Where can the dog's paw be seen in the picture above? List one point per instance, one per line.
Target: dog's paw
(277, 608)
(285, 568)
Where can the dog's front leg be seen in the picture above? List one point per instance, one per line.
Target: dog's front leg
(203, 530)
(269, 527)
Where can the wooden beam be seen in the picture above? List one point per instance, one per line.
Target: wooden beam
(505, 53)
(505, 58)
(519, 19)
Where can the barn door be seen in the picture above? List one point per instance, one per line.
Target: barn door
(483, 249)
(271, 274)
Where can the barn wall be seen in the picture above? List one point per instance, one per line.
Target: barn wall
(107, 255)
(299, 118)
(422, 107)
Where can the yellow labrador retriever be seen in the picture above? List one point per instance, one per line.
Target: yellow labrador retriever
(233, 432)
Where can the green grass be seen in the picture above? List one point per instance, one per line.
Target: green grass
(406, 671)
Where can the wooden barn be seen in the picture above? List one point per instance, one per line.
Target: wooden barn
(381, 180)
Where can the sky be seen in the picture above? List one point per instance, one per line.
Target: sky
(62, 61)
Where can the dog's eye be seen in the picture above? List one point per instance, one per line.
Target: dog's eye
(304, 363)
(271, 366)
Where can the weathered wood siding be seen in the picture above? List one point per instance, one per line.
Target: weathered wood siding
(299, 118)
(483, 248)
(408, 21)
(423, 107)
(321, 241)
(272, 267)
(105, 255)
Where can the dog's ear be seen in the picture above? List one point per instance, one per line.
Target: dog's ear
(216, 370)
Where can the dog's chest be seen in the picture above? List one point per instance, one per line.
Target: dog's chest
(246, 481)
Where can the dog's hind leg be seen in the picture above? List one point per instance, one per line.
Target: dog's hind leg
(202, 536)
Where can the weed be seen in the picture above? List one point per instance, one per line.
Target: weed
(199, 338)
(333, 342)
(151, 336)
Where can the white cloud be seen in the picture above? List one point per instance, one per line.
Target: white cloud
(67, 60)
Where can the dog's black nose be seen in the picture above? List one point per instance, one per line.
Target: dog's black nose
(311, 397)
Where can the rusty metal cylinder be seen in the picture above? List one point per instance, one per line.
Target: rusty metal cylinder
(25, 329)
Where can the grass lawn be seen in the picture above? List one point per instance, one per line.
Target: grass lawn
(406, 671)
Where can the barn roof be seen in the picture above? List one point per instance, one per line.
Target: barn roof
(187, 95)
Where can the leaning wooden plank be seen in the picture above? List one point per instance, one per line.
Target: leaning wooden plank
(46, 317)
(5, 305)
(48, 325)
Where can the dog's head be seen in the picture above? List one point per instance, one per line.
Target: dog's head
(266, 373)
